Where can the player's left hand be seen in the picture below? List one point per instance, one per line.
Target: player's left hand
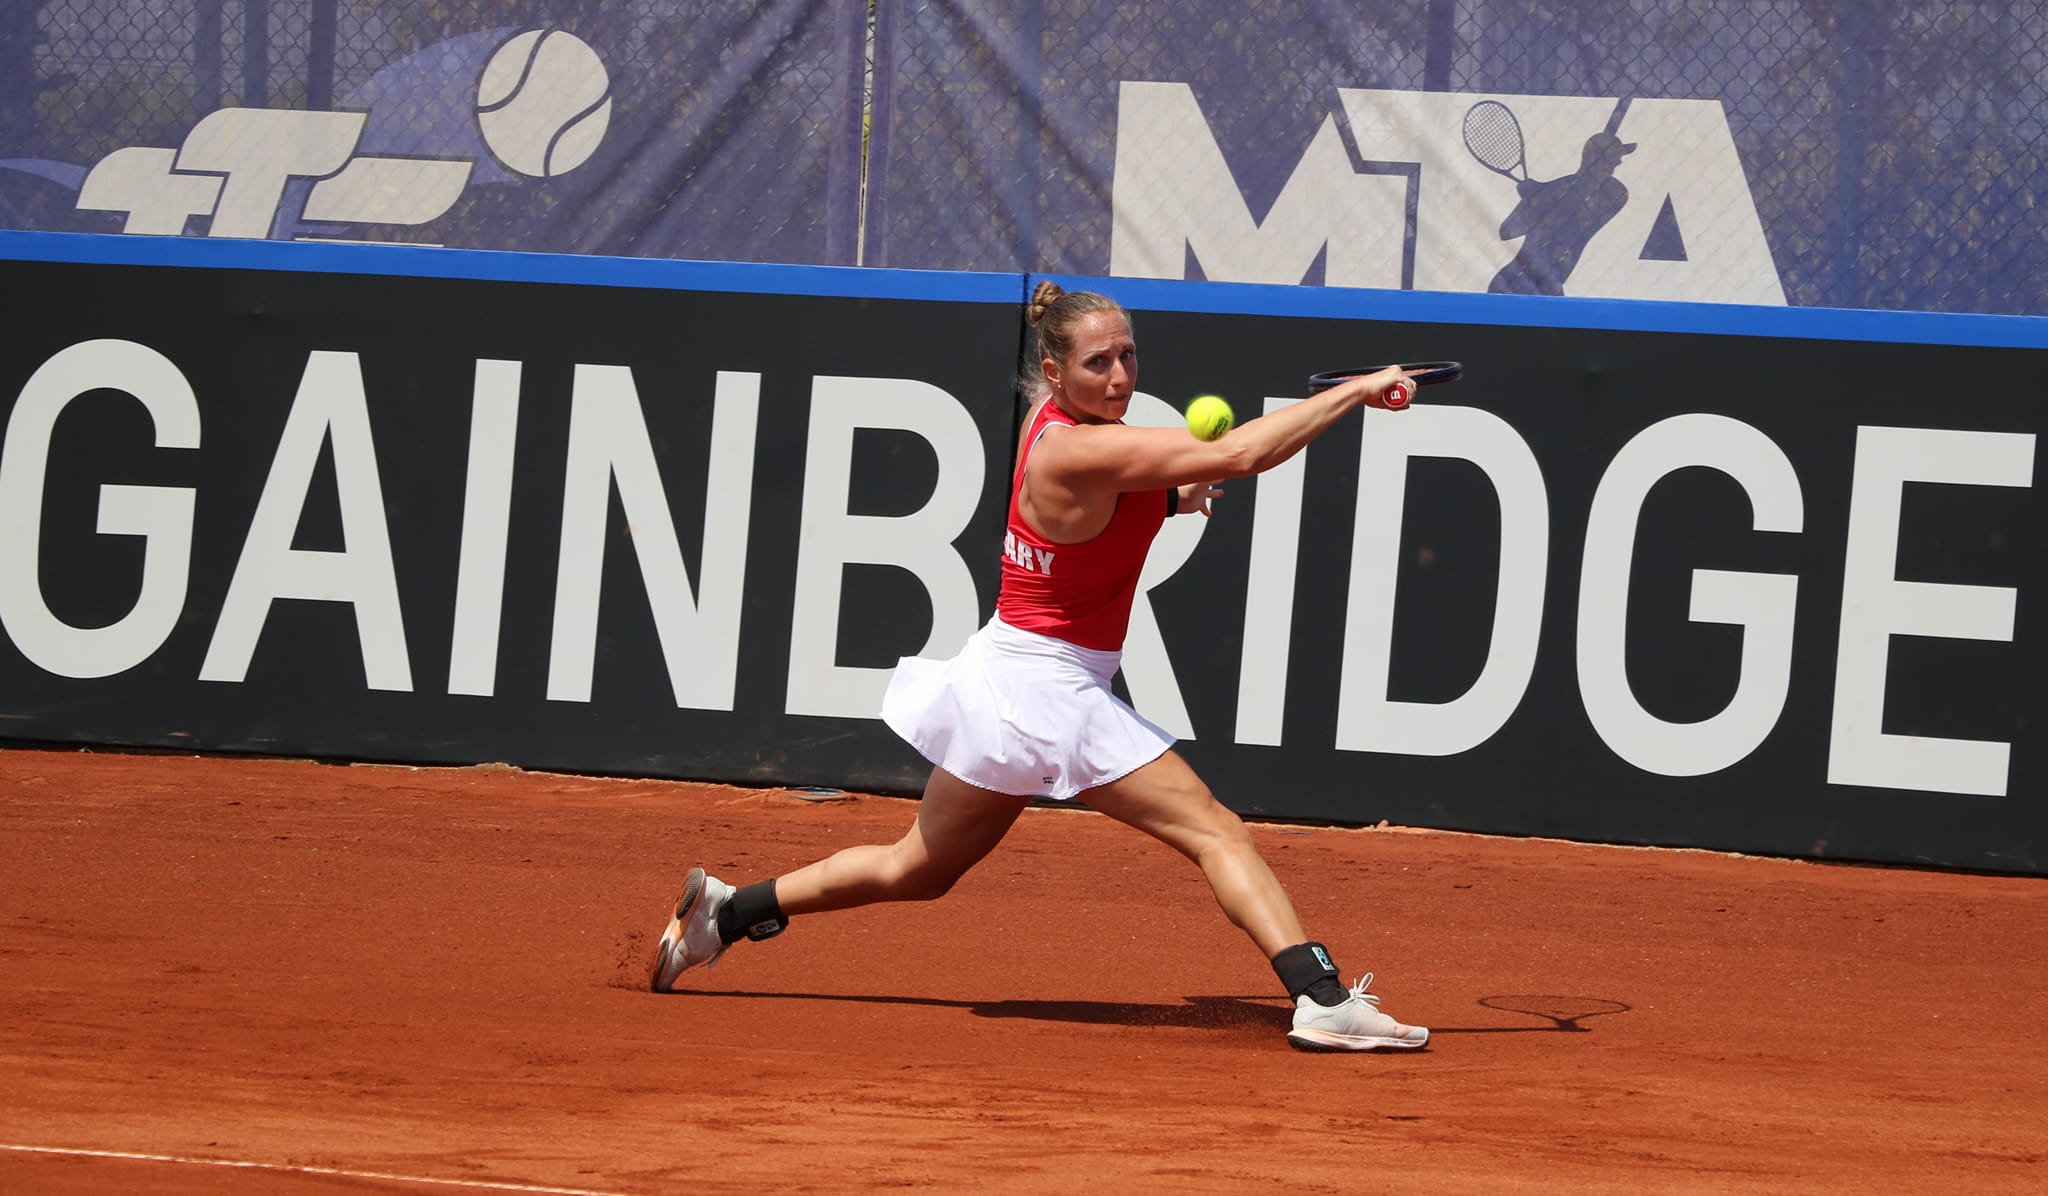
(1196, 496)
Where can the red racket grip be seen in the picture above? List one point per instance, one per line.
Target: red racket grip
(1396, 397)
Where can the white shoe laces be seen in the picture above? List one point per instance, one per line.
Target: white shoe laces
(1358, 992)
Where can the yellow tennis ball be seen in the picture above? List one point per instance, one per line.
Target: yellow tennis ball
(1209, 417)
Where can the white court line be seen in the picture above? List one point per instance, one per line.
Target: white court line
(485, 1185)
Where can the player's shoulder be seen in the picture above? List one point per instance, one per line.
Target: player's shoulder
(1063, 442)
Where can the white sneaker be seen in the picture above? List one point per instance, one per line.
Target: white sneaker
(692, 938)
(1355, 1025)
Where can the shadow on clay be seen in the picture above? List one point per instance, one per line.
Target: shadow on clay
(1555, 1013)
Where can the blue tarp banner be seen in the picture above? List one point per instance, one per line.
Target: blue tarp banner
(1867, 154)
(1846, 153)
(679, 128)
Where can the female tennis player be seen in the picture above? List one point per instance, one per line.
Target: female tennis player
(1025, 710)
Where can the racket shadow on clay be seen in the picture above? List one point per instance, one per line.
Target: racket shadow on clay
(1566, 1014)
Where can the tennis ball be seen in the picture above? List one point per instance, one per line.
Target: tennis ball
(1209, 417)
(544, 102)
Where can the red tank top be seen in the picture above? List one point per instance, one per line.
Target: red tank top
(1080, 593)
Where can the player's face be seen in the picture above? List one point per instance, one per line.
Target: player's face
(1099, 376)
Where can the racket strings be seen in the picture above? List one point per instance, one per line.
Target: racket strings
(1494, 136)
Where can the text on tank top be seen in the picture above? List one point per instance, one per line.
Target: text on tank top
(1081, 593)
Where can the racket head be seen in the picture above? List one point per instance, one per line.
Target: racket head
(1494, 136)
(1425, 373)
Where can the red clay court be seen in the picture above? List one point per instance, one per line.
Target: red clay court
(236, 975)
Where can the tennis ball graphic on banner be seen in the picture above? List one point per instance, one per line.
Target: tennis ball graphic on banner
(1209, 417)
(543, 102)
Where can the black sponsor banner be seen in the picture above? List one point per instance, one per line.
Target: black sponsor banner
(1767, 581)
(1740, 590)
(441, 520)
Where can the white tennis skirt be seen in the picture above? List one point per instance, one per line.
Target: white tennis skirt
(1021, 713)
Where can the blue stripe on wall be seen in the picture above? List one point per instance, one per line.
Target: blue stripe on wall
(1545, 311)
(492, 266)
(1139, 294)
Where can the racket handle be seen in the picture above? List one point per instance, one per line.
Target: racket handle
(1396, 397)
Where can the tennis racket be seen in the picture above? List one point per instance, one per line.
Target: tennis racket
(1495, 138)
(1423, 373)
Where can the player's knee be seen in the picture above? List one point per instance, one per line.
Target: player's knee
(928, 885)
(1222, 830)
(922, 881)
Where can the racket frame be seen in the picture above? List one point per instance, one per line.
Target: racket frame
(1518, 171)
(1425, 373)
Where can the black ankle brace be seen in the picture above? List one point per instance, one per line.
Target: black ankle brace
(753, 914)
(1306, 968)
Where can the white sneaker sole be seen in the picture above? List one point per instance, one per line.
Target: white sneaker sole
(666, 969)
(1323, 1040)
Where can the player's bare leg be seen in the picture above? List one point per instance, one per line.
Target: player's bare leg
(1166, 800)
(957, 824)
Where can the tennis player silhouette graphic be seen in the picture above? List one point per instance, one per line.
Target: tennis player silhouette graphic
(1557, 218)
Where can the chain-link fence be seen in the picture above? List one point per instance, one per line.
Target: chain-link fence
(681, 128)
(101, 74)
(1895, 149)
(1855, 153)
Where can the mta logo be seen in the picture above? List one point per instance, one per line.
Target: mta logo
(1433, 191)
(428, 127)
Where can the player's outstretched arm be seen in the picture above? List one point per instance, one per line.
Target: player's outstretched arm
(1124, 458)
